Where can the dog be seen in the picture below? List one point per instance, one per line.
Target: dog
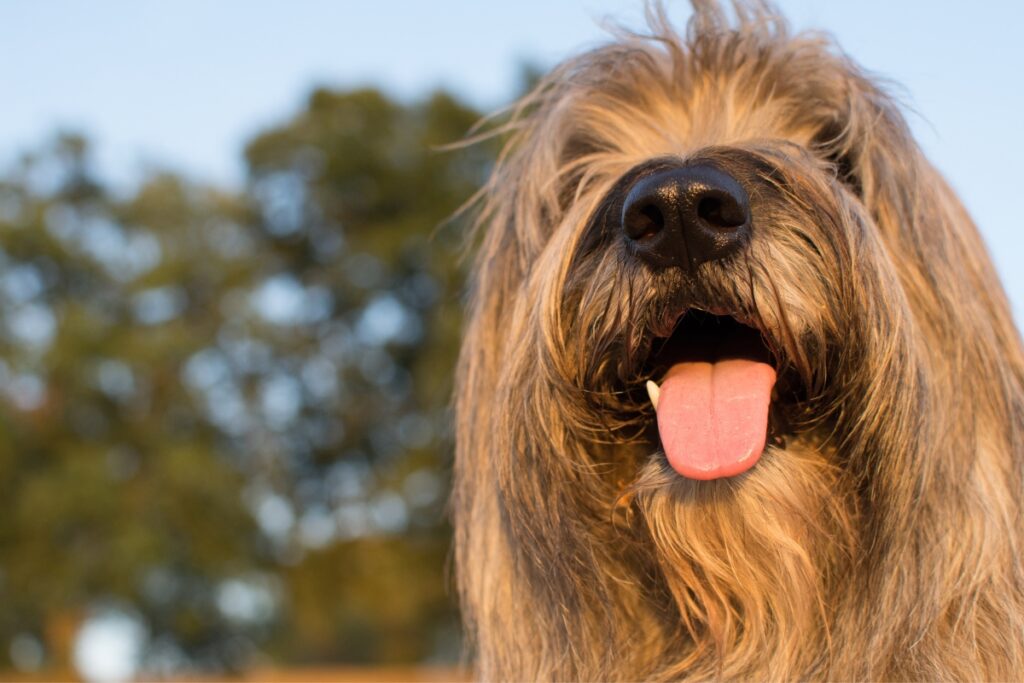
(740, 395)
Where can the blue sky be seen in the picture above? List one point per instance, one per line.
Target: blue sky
(183, 84)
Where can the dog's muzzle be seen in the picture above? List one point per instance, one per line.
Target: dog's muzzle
(686, 215)
(712, 389)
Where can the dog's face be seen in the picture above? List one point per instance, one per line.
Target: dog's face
(732, 341)
(729, 233)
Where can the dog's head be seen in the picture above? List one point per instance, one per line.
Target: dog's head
(737, 226)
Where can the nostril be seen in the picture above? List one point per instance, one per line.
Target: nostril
(651, 221)
(643, 222)
(721, 212)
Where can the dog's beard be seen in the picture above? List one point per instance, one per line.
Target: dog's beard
(743, 557)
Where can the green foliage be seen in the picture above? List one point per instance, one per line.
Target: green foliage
(226, 415)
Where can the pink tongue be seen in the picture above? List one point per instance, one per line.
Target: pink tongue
(713, 417)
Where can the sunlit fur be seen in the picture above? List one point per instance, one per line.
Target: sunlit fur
(880, 537)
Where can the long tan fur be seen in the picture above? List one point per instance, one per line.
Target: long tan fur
(881, 539)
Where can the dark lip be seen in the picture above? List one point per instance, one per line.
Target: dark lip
(705, 334)
(670, 322)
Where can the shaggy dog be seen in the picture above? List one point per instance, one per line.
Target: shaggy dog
(830, 484)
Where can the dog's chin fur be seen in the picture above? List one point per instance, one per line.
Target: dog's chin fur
(878, 536)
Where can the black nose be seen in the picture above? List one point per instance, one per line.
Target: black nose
(686, 215)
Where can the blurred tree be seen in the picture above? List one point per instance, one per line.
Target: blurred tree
(225, 417)
(349, 194)
(110, 479)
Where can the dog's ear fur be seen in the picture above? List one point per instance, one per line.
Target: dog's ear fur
(969, 375)
(921, 219)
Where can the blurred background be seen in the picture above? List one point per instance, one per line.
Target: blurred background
(230, 305)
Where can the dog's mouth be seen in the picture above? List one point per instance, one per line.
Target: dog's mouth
(712, 379)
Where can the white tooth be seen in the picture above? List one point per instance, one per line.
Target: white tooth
(654, 391)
